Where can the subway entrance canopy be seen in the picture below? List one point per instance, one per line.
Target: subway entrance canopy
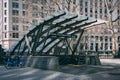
(59, 32)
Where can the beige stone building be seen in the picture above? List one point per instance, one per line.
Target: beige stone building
(100, 37)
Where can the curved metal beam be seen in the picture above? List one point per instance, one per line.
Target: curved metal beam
(39, 36)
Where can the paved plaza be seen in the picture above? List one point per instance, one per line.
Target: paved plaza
(107, 71)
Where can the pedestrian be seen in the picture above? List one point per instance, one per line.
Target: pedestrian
(21, 61)
(9, 63)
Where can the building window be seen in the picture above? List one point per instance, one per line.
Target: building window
(15, 27)
(101, 46)
(81, 9)
(5, 35)
(96, 4)
(92, 37)
(95, 15)
(86, 3)
(15, 5)
(96, 46)
(15, 12)
(25, 28)
(110, 39)
(81, 3)
(86, 10)
(106, 46)
(105, 11)
(5, 19)
(118, 11)
(101, 1)
(100, 16)
(15, 35)
(100, 10)
(25, 21)
(34, 8)
(34, 1)
(91, 15)
(106, 38)
(111, 46)
(91, 10)
(91, 46)
(96, 11)
(101, 38)
(81, 46)
(5, 12)
(5, 4)
(24, 13)
(74, 1)
(34, 22)
(25, 6)
(35, 15)
(86, 14)
(118, 38)
(15, 20)
(91, 3)
(96, 38)
(86, 46)
(5, 27)
(43, 2)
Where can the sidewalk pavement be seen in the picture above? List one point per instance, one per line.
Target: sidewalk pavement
(75, 72)
(112, 62)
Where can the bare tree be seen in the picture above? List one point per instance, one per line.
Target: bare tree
(71, 5)
(111, 6)
(58, 3)
(45, 7)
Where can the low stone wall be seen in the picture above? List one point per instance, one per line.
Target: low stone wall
(106, 56)
(43, 62)
(110, 61)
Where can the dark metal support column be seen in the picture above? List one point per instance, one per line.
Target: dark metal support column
(78, 41)
(36, 39)
(69, 45)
